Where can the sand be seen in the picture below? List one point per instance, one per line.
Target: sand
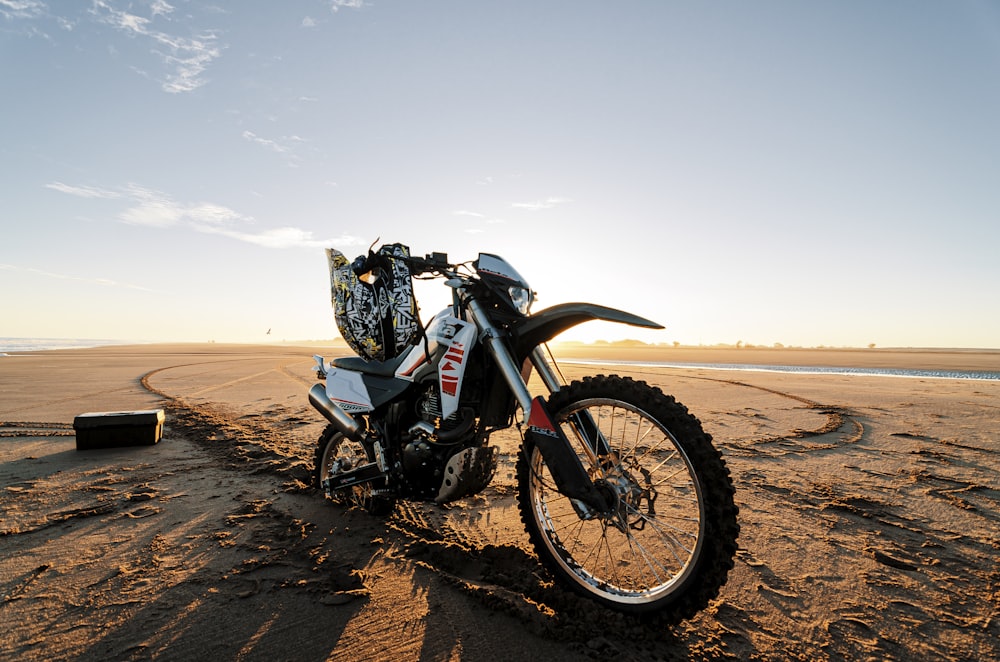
(869, 515)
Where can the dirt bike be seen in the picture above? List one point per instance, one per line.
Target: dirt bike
(623, 496)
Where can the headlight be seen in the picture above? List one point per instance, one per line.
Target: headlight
(521, 297)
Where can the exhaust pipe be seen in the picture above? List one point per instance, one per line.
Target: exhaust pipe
(333, 413)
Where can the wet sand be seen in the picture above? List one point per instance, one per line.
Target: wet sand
(869, 515)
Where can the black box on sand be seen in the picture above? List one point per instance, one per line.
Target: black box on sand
(113, 429)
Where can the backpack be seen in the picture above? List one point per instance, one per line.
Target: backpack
(376, 312)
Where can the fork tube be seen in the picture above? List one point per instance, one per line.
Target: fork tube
(594, 443)
(549, 376)
(493, 338)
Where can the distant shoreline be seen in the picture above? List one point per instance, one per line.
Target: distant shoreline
(872, 361)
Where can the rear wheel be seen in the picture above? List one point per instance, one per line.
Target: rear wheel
(336, 453)
(667, 542)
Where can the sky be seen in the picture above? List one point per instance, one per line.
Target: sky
(805, 173)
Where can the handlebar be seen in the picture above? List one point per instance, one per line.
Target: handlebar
(431, 263)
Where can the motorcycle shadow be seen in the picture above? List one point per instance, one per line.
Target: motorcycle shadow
(504, 577)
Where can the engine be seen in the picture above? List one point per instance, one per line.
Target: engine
(438, 453)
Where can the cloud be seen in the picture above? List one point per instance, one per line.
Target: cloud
(186, 58)
(160, 8)
(11, 9)
(82, 191)
(266, 143)
(547, 203)
(155, 209)
(212, 215)
(104, 282)
(286, 237)
(337, 5)
(285, 146)
(152, 209)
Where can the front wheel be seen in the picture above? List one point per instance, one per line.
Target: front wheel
(667, 541)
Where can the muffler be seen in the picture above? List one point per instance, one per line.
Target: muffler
(333, 413)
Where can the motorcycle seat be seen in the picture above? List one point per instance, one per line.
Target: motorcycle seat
(377, 368)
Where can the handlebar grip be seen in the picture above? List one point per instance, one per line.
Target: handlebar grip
(438, 260)
(431, 263)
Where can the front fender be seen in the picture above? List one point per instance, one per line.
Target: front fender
(549, 323)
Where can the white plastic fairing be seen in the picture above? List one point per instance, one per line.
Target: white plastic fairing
(347, 389)
(458, 338)
(439, 332)
(451, 369)
(416, 356)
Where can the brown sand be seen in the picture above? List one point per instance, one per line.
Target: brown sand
(869, 514)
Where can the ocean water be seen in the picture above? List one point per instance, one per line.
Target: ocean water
(14, 346)
(806, 370)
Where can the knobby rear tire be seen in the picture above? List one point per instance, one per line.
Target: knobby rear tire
(667, 546)
(333, 444)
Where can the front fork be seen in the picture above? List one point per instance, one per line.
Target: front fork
(568, 472)
(595, 446)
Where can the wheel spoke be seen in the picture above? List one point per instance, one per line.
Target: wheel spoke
(668, 535)
(669, 458)
(648, 558)
(612, 566)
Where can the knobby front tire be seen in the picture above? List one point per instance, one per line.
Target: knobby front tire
(667, 543)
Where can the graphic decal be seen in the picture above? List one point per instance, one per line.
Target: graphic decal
(347, 389)
(539, 421)
(402, 302)
(450, 364)
(459, 337)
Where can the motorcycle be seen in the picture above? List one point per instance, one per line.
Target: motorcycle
(624, 498)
